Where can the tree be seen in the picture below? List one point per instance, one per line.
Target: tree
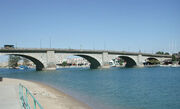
(166, 53)
(174, 58)
(160, 52)
(154, 61)
(64, 63)
(120, 61)
(13, 61)
(26, 61)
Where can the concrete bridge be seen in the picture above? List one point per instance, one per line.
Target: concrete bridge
(47, 59)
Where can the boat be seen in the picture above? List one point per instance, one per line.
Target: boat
(23, 67)
(175, 65)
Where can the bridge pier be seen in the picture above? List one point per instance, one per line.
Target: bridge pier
(105, 67)
(105, 60)
(48, 69)
(50, 62)
(139, 61)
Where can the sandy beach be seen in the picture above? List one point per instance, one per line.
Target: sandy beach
(48, 97)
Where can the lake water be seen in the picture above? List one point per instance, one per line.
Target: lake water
(114, 88)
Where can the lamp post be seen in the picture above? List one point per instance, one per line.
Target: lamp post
(50, 42)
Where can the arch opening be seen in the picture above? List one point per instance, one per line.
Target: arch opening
(74, 61)
(94, 64)
(151, 61)
(79, 61)
(129, 62)
(39, 65)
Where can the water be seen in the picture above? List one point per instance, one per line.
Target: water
(115, 88)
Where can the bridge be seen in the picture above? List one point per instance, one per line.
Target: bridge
(47, 59)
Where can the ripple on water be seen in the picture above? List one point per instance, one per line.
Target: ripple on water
(115, 88)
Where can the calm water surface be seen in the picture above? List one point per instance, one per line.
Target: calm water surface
(115, 88)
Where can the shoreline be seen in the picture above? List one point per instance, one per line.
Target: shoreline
(48, 96)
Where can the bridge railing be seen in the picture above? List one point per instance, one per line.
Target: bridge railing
(24, 94)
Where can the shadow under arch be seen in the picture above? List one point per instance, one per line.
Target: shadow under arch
(129, 61)
(154, 60)
(94, 64)
(39, 65)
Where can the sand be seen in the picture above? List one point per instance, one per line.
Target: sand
(48, 97)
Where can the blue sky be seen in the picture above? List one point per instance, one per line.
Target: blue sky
(128, 25)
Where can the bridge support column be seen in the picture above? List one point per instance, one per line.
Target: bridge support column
(139, 61)
(50, 62)
(105, 60)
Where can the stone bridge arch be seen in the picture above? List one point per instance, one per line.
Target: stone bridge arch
(149, 59)
(130, 62)
(39, 64)
(94, 60)
(94, 63)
